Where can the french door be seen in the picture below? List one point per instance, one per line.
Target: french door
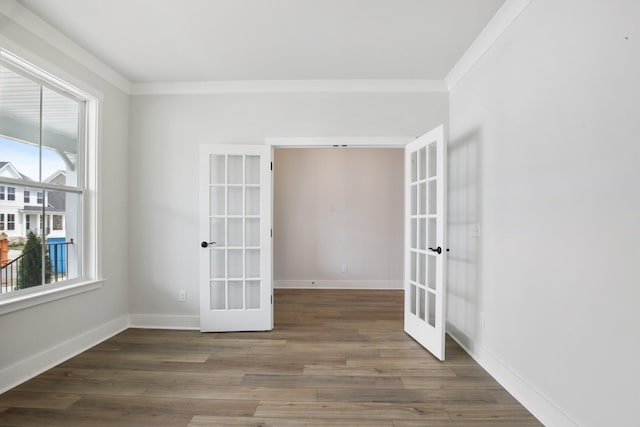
(425, 252)
(235, 228)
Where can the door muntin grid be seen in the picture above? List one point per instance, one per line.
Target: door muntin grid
(423, 234)
(235, 225)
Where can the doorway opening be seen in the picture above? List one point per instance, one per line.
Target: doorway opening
(338, 218)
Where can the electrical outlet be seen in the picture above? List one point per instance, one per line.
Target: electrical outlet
(475, 230)
(182, 296)
(343, 268)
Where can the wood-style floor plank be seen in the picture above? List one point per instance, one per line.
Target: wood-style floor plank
(352, 411)
(335, 358)
(202, 421)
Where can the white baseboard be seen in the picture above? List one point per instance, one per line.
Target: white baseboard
(337, 284)
(24, 370)
(535, 402)
(161, 321)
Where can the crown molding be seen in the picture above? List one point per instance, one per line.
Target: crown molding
(33, 23)
(506, 15)
(279, 86)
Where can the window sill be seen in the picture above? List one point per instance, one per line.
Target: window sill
(43, 296)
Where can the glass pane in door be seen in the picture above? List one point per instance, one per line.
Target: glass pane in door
(234, 175)
(217, 202)
(433, 168)
(252, 232)
(252, 170)
(253, 263)
(235, 232)
(423, 163)
(431, 272)
(217, 169)
(235, 295)
(431, 309)
(433, 197)
(218, 296)
(235, 201)
(217, 263)
(252, 292)
(217, 231)
(421, 303)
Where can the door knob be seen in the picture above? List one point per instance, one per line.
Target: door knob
(438, 250)
(205, 244)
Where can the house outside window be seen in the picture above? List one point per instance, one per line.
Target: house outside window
(48, 137)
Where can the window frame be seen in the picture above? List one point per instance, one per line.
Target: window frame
(90, 233)
(11, 222)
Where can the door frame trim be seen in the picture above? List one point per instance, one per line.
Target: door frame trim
(331, 142)
(394, 142)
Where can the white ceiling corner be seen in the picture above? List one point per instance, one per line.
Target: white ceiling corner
(27, 19)
(506, 15)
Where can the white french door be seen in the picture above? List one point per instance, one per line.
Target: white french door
(425, 252)
(236, 250)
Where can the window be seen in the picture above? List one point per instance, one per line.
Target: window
(48, 134)
(57, 222)
(1, 222)
(2, 193)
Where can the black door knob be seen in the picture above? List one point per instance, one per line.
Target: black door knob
(438, 250)
(205, 244)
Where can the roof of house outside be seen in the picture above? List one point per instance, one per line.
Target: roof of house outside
(56, 200)
(23, 176)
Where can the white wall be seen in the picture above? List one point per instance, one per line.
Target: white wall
(335, 207)
(35, 337)
(544, 155)
(165, 134)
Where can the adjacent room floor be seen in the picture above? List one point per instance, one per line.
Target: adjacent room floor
(335, 358)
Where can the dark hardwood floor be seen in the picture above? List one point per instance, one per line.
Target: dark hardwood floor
(335, 358)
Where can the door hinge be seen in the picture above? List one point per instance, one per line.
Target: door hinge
(271, 298)
(271, 232)
(271, 165)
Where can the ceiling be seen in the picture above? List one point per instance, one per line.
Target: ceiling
(150, 41)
